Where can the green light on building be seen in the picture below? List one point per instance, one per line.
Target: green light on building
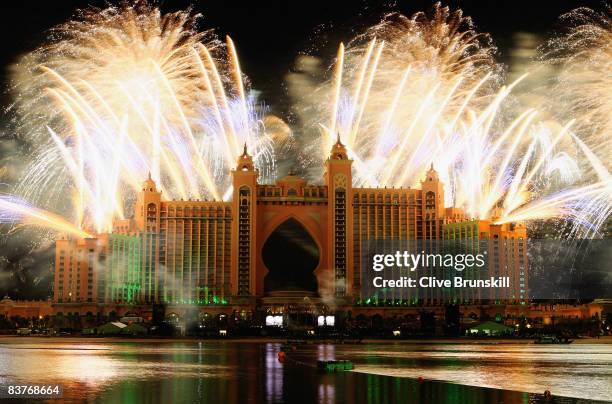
(124, 272)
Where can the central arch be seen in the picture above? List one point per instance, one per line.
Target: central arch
(291, 255)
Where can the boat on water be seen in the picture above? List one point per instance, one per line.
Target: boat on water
(334, 365)
(551, 339)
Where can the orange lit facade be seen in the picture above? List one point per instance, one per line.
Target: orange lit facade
(506, 245)
(211, 252)
(79, 271)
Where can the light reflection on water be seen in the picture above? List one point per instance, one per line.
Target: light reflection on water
(235, 372)
(583, 371)
(97, 364)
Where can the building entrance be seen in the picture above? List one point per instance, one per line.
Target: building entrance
(291, 255)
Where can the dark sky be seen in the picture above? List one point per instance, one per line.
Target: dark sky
(270, 34)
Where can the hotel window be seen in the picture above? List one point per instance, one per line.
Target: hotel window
(340, 240)
(430, 200)
(244, 237)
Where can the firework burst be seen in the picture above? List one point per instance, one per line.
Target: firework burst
(582, 54)
(122, 91)
(428, 70)
(425, 89)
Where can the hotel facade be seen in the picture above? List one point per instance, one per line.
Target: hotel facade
(287, 245)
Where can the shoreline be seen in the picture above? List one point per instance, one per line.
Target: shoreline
(4, 339)
(540, 395)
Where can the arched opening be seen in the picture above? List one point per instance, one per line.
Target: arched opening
(291, 255)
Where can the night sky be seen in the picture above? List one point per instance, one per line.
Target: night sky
(269, 35)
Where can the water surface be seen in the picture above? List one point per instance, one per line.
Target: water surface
(102, 370)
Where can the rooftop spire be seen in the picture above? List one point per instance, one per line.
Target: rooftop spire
(245, 161)
(149, 184)
(338, 150)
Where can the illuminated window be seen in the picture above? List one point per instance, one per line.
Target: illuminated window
(326, 321)
(274, 321)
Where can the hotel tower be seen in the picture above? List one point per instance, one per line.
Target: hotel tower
(272, 244)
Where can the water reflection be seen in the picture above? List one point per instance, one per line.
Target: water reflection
(274, 374)
(577, 371)
(233, 372)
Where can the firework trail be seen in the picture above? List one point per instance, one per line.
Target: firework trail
(412, 91)
(124, 91)
(14, 210)
(582, 54)
(400, 71)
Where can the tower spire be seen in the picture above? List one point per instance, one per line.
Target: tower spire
(245, 161)
(338, 150)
